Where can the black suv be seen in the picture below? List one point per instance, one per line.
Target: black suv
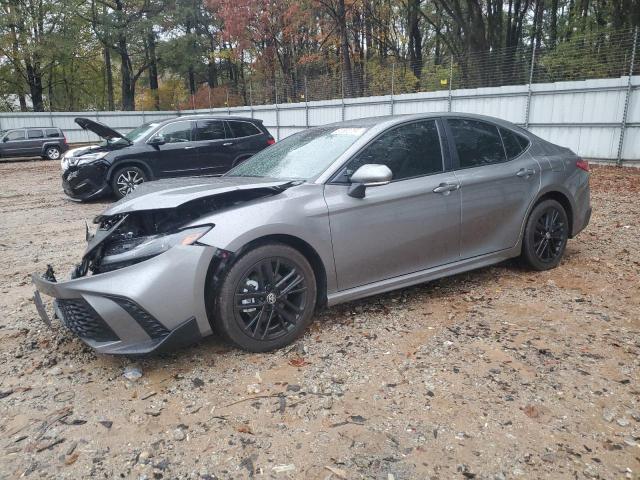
(183, 146)
(46, 142)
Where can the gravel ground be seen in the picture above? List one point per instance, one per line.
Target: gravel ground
(499, 373)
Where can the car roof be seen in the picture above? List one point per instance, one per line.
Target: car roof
(31, 128)
(389, 120)
(209, 117)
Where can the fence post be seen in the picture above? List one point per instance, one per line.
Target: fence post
(342, 98)
(306, 104)
(209, 92)
(627, 99)
(528, 106)
(450, 82)
(251, 97)
(393, 79)
(275, 86)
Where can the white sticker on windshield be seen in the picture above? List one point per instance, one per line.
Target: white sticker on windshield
(349, 131)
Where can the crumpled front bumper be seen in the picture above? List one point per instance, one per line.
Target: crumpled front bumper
(85, 182)
(154, 305)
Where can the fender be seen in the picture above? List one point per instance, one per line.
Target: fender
(54, 143)
(121, 162)
(544, 191)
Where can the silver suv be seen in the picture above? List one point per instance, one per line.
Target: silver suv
(45, 142)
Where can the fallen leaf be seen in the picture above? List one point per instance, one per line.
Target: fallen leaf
(297, 362)
(71, 459)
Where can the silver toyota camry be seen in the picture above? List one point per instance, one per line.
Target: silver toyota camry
(328, 215)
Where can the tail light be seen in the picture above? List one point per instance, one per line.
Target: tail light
(583, 165)
(270, 141)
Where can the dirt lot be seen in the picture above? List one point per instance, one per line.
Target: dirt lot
(496, 374)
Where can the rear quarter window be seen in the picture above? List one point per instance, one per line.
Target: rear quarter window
(243, 129)
(52, 133)
(514, 144)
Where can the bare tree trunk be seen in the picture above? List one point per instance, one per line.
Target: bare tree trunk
(126, 72)
(347, 73)
(153, 69)
(109, 79)
(415, 37)
(553, 24)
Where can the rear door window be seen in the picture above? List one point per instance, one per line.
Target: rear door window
(242, 129)
(477, 143)
(210, 130)
(514, 144)
(35, 134)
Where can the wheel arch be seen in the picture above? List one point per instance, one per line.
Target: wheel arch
(307, 251)
(128, 162)
(563, 200)
(46, 145)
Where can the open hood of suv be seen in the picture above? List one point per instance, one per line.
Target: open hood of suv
(99, 129)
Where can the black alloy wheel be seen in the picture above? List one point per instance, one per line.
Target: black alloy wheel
(267, 299)
(546, 235)
(126, 180)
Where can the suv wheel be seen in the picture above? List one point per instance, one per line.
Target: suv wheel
(52, 153)
(126, 180)
(267, 298)
(545, 236)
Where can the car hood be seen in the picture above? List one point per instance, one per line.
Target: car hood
(90, 149)
(173, 192)
(100, 129)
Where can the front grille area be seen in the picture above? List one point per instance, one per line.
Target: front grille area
(84, 321)
(148, 323)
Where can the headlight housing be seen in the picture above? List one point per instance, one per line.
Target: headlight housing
(71, 161)
(127, 252)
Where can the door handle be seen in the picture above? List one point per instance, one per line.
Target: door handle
(446, 188)
(525, 172)
(227, 144)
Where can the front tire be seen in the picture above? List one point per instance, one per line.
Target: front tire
(126, 180)
(52, 153)
(545, 236)
(267, 298)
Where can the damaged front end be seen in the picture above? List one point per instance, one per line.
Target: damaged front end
(140, 286)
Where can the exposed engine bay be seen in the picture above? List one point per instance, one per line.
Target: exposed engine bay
(129, 238)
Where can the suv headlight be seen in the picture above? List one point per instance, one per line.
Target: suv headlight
(71, 161)
(129, 251)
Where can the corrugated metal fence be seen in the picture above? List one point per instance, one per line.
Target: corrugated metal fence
(598, 119)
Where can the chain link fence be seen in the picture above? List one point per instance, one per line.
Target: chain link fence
(580, 57)
(591, 116)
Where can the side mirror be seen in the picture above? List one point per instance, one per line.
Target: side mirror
(369, 175)
(5, 139)
(157, 140)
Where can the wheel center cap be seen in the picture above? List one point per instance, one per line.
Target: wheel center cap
(547, 235)
(271, 298)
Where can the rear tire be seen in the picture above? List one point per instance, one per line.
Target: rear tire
(126, 180)
(52, 153)
(267, 298)
(545, 236)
